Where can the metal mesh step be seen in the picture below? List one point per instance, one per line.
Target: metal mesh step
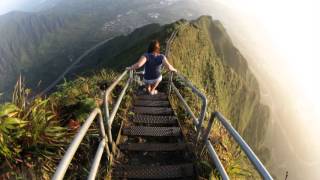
(139, 118)
(151, 103)
(159, 96)
(153, 172)
(153, 146)
(151, 131)
(153, 110)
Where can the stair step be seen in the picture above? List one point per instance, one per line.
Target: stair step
(151, 103)
(139, 118)
(153, 146)
(151, 131)
(153, 110)
(159, 96)
(153, 172)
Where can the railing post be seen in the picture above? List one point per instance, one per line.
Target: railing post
(170, 82)
(215, 158)
(131, 74)
(207, 132)
(244, 146)
(65, 161)
(107, 116)
(202, 116)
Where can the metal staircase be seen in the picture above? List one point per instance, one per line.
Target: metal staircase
(145, 157)
(151, 144)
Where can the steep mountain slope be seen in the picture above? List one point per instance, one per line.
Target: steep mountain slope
(41, 45)
(201, 50)
(22, 34)
(204, 52)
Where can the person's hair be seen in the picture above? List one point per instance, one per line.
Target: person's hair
(154, 46)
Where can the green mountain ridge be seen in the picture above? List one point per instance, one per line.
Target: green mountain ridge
(205, 54)
(43, 43)
(202, 51)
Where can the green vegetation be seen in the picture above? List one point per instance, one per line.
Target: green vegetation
(35, 134)
(42, 44)
(204, 53)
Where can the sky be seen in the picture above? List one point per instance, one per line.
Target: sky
(9, 5)
(291, 27)
(290, 34)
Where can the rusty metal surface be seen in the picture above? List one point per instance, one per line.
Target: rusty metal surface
(153, 110)
(152, 131)
(159, 96)
(152, 103)
(149, 119)
(153, 146)
(154, 172)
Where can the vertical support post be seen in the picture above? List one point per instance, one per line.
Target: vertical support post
(131, 74)
(202, 116)
(215, 158)
(107, 116)
(170, 82)
(207, 132)
(104, 136)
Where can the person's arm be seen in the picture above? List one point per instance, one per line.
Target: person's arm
(168, 65)
(139, 64)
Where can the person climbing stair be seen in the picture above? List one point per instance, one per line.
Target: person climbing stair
(153, 61)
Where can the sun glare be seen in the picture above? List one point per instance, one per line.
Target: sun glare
(292, 29)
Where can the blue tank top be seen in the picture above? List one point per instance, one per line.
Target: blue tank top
(152, 68)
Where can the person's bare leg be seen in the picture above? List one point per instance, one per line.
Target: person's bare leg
(154, 86)
(148, 87)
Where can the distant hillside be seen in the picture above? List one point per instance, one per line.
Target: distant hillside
(204, 52)
(21, 43)
(201, 50)
(40, 45)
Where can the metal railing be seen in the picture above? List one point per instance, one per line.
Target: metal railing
(65, 162)
(106, 138)
(243, 145)
(110, 117)
(197, 122)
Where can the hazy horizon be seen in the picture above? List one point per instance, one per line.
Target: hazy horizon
(278, 38)
(11, 5)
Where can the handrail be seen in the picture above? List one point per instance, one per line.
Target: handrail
(215, 158)
(237, 137)
(199, 94)
(109, 90)
(196, 121)
(109, 118)
(64, 163)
